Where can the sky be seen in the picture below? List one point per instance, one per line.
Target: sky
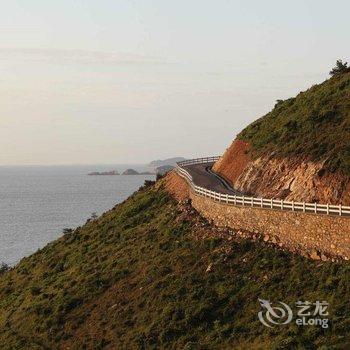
(118, 81)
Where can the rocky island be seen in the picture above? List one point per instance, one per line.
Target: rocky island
(158, 167)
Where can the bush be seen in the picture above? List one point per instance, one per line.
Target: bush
(67, 231)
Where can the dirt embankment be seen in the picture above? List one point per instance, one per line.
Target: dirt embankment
(293, 178)
(176, 186)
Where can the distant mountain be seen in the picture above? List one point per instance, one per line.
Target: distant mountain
(168, 161)
(162, 170)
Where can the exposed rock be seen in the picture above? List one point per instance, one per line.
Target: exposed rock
(291, 178)
(266, 238)
(209, 268)
(314, 255)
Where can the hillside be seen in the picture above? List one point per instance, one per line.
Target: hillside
(298, 151)
(151, 273)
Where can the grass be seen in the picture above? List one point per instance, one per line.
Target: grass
(314, 124)
(136, 278)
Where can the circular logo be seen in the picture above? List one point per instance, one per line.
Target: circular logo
(274, 315)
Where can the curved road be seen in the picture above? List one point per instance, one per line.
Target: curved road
(203, 176)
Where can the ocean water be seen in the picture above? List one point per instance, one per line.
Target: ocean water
(37, 203)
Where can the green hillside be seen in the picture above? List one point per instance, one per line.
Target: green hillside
(314, 124)
(136, 278)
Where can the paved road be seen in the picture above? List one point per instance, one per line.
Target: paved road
(204, 177)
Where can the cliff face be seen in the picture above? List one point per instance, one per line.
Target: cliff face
(289, 178)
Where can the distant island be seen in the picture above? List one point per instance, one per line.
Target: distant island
(134, 172)
(111, 172)
(158, 167)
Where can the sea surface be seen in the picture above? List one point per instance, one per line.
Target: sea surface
(38, 202)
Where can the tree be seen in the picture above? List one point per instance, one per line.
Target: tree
(340, 68)
(3, 268)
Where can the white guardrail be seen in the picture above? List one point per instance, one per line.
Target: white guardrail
(255, 202)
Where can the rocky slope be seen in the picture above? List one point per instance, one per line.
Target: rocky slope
(289, 178)
(299, 151)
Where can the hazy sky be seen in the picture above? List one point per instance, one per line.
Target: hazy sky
(117, 81)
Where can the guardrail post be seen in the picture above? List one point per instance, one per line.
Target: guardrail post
(304, 207)
(340, 209)
(243, 201)
(261, 202)
(315, 208)
(235, 200)
(327, 208)
(252, 199)
(227, 198)
(271, 203)
(292, 205)
(282, 204)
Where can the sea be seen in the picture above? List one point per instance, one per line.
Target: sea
(38, 202)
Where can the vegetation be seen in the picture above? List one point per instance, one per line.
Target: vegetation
(315, 124)
(138, 278)
(339, 68)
